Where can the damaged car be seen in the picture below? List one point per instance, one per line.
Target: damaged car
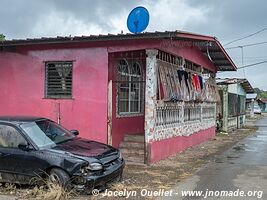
(32, 147)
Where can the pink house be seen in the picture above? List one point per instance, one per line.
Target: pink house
(151, 94)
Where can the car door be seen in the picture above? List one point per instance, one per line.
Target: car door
(16, 164)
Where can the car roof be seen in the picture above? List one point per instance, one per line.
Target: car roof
(20, 119)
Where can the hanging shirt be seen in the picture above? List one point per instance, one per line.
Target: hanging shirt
(180, 75)
(201, 82)
(196, 82)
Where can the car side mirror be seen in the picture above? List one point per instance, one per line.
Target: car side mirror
(75, 132)
(25, 147)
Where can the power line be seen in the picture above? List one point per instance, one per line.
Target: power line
(247, 45)
(250, 65)
(250, 35)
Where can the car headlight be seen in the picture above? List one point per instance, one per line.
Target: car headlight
(94, 166)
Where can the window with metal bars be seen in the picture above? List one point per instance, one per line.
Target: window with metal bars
(58, 80)
(129, 88)
(233, 105)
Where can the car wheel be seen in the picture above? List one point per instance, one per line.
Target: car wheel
(58, 177)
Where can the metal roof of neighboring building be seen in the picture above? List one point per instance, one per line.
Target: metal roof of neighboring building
(263, 100)
(209, 45)
(243, 82)
(251, 96)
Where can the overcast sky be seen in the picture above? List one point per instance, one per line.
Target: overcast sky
(227, 20)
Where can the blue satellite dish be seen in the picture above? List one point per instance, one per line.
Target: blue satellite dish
(138, 20)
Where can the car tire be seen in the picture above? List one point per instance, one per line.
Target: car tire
(58, 176)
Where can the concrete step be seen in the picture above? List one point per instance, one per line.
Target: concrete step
(133, 148)
(134, 138)
(132, 152)
(132, 145)
(134, 160)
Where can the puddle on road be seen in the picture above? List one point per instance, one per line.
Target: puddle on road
(261, 136)
(232, 157)
(244, 147)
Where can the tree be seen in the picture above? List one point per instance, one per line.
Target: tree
(2, 37)
(261, 94)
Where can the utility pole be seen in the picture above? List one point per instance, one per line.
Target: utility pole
(242, 57)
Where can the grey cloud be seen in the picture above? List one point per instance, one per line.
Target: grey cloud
(98, 12)
(20, 17)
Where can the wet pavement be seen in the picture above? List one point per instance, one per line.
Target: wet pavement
(239, 173)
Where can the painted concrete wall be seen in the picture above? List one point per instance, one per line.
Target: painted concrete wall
(236, 89)
(22, 78)
(167, 147)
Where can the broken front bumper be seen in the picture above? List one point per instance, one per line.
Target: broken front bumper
(100, 181)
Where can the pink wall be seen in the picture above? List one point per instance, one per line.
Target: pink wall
(22, 88)
(165, 148)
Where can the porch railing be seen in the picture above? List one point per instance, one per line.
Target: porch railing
(170, 114)
(192, 113)
(208, 112)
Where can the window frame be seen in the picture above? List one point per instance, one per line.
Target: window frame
(130, 76)
(57, 96)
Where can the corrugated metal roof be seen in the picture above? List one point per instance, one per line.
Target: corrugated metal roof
(243, 82)
(209, 45)
(100, 37)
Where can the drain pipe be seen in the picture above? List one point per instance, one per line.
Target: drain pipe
(58, 113)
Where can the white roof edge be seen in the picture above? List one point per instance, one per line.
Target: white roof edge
(251, 96)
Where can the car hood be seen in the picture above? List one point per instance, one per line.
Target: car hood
(86, 148)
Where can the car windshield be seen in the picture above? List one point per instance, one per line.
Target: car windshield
(46, 133)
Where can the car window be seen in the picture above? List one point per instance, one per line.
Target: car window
(37, 135)
(10, 137)
(46, 133)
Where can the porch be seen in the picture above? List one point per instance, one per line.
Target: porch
(172, 111)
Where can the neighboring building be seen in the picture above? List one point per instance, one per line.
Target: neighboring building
(233, 93)
(262, 104)
(117, 89)
(250, 102)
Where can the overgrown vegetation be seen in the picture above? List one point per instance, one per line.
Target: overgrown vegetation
(2, 37)
(44, 192)
(53, 192)
(261, 94)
